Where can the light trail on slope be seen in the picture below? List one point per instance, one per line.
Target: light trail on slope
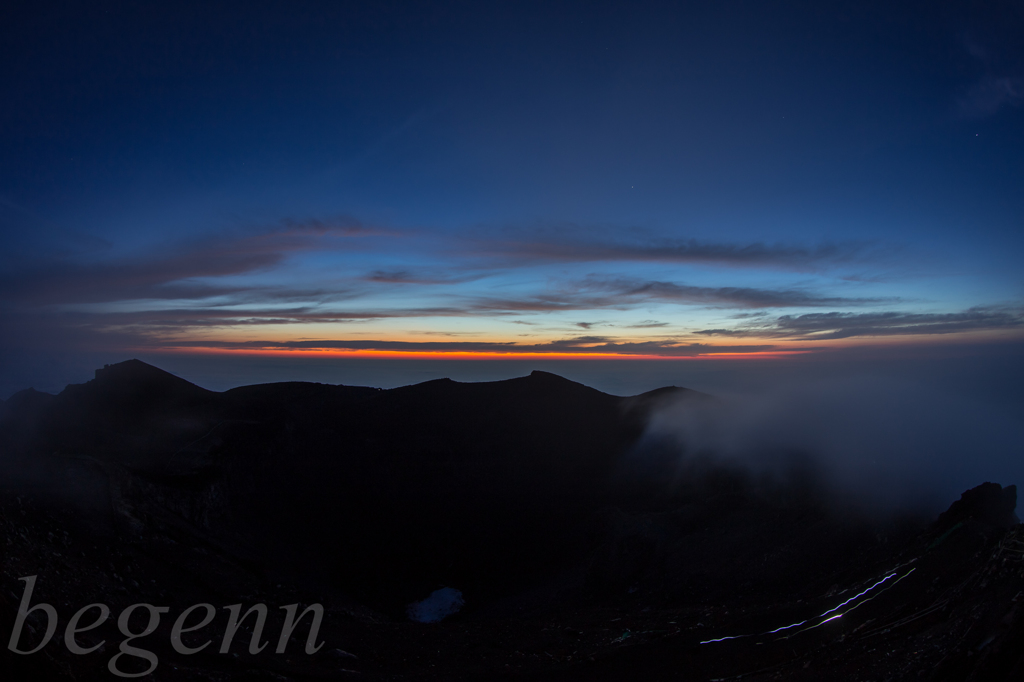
(855, 606)
(822, 615)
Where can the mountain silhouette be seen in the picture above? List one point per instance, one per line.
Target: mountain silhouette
(515, 495)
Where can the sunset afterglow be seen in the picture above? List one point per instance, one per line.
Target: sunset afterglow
(542, 184)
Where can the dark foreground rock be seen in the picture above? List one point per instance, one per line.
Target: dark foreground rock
(139, 487)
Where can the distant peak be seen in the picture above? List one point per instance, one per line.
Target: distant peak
(27, 398)
(538, 374)
(135, 375)
(127, 367)
(132, 370)
(988, 503)
(550, 379)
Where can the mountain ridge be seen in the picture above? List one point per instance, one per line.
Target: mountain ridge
(139, 486)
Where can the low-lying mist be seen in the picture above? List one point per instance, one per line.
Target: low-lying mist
(871, 445)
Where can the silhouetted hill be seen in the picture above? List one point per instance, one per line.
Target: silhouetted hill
(988, 504)
(387, 490)
(136, 379)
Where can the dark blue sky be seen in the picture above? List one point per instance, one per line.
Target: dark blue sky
(559, 179)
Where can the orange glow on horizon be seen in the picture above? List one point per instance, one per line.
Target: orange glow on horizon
(464, 355)
(791, 349)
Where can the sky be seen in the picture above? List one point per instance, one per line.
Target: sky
(719, 195)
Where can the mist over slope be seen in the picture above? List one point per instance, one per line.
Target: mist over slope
(868, 444)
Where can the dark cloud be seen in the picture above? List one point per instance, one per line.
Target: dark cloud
(623, 294)
(344, 225)
(185, 318)
(743, 297)
(838, 325)
(166, 275)
(153, 278)
(575, 244)
(428, 332)
(418, 277)
(63, 333)
(647, 324)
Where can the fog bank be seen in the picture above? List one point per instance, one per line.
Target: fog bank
(871, 442)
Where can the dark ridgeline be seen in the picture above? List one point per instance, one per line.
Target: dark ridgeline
(386, 493)
(528, 495)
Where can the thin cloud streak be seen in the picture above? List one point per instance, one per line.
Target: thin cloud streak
(624, 294)
(219, 317)
(418, 277)
(743, 297)
(647, 324)
(578, 245)
(838, 325)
